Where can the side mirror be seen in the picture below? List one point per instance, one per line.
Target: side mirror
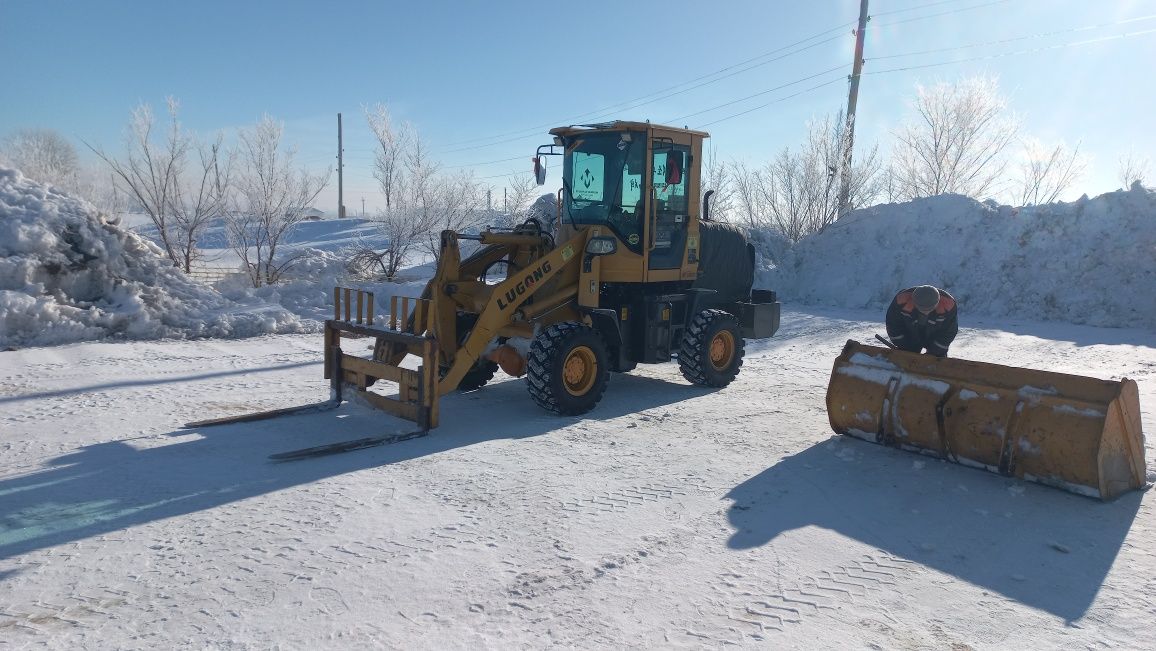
(540, 170)
(673, 167)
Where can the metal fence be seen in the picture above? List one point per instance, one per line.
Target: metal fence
(211, 275)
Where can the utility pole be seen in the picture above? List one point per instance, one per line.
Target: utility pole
(363, 207)
(852, 100)
(340, 151)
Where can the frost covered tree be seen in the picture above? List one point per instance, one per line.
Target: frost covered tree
(1133, 169)
(520, 192)
(392, 147)
(797, 192)
(955, 142)
(272, 196)
(717, 176)
(180, 195)
(1046, 172)
(43, 155)
(420, 201)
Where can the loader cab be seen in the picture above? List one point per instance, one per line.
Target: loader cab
(640, 182)
(602, 183)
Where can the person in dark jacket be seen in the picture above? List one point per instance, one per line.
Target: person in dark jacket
(923, 317)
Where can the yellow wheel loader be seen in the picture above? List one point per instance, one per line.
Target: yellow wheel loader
(630, 270)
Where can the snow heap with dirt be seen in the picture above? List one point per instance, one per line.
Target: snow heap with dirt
(1092, 261)
(67, 275)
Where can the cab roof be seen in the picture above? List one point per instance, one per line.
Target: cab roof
(621, 125)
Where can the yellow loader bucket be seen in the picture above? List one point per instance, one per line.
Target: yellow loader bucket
(1078, 433)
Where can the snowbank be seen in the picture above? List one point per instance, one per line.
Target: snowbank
(66, 275)
(306, 288)
(1092, 261)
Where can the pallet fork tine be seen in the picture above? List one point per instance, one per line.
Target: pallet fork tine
(417, 398)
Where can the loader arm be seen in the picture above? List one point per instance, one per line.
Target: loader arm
(504, 301)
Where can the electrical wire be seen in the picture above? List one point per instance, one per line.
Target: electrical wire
(651, 97)
(763, 106)
(1000, 55)
(915, 8)
(1017, 38)
(942, 13)
(759, 94)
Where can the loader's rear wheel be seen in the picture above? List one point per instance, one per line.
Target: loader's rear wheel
(569, 369)
(712, 349)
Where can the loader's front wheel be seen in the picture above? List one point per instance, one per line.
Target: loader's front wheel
(712, 349)
(483, 370)
(568, 370)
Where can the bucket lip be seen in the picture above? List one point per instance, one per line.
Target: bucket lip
(1030, 383)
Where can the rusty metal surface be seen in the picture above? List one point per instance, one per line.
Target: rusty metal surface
(1078, 433)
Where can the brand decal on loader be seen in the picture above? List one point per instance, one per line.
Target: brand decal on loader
(527, 283)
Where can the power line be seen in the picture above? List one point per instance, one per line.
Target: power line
(490, 162)
(1017, 38)
(781, 99)
(1016, 52)
(651, 98)
(632, 102)
(915, 8)
(758, 94)
(942, 13)
(496, 176)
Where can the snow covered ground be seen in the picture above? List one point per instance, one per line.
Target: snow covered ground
(671, 517)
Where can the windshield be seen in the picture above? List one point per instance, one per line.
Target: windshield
(603, 178)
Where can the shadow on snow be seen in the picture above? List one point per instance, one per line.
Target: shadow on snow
(111, 486)
(1042, 547)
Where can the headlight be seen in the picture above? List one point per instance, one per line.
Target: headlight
(601, 245)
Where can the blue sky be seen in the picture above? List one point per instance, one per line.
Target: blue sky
(465, 73)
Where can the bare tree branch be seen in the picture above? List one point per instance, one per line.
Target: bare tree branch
(956, 143)
(1133, 169)
(1046, 173)
(272, 198)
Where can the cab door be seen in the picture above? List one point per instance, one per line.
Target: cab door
(668, 212)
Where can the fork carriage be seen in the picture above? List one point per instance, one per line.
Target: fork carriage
(404, 333)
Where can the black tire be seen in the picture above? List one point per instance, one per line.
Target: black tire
(481, 372)
(712, 349)
(478, 376)
(569, 368)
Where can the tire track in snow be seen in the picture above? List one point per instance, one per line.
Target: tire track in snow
(752, 610)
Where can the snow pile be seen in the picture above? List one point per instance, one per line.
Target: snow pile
(1092, 261)
(66, 275)
(306, 287)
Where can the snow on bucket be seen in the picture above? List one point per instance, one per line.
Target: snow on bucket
(1077, 433)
